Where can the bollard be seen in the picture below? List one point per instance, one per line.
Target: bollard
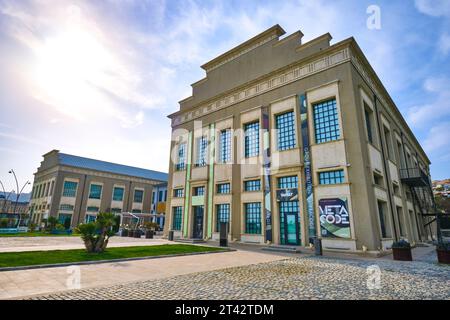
(223, 234)
(170, 238)
(318, 246)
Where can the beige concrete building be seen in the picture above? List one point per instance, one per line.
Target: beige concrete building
(287, 141)
(77, 189)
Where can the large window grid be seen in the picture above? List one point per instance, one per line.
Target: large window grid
(118, 194)
(138, 196)
(223, 214)
(202, 143)
(285, 130)
(70, 189)
(176, 224)
(251, 139)
(252, 185)
(326, 123)
(225, 146)
(331, 177)
(289, 182)
(181, 162)
(253, 218)
(66, 207)
(95, 191)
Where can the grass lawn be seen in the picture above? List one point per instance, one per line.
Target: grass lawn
(36, 234)
(29, 258)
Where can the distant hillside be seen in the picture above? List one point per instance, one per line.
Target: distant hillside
(24, 197)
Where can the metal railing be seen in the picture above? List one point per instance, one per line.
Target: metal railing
(413, 173)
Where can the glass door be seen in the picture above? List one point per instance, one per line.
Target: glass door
(289, 223)
(198, 222)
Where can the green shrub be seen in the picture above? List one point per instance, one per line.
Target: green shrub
(95, 235)
(401, 244)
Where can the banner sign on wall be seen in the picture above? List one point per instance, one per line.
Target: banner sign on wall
(334, 218)
(287, 194)
(266, 166)
(307, 165)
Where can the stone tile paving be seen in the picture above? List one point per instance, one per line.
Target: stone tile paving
(296, 278)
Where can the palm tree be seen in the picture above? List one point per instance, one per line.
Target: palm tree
(96, 234)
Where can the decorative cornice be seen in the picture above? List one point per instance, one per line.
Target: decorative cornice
(382, 95)
(260, 39)
(293, 74)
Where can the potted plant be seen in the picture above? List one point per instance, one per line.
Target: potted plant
(124, 232)
(137, 233)
(401, 250)
(443, 252)
(150, 227)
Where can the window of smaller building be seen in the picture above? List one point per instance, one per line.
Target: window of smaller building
(396, 189)
(285, 130)
(69, 189)
(160, 196)
(178, 193)
(251, 139)
(118, 193)
(331, 177)
(181, 162)
(90, 218)
(92, 209)
(136, 211)
(65, 219)
(138, 196)
(95, 191)
(199, 191)
(252, 185)
(223, 214)
(66, 207)
(116, 210)
(252, 218)
(326, 122)
(223, 188)
(176, 224)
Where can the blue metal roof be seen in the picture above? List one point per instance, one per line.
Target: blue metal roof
(87, 163)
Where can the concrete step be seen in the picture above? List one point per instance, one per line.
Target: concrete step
(190, 240)
(288, 249)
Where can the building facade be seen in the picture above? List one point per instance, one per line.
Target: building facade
(159, 198)
(76, 189)
(287, 141)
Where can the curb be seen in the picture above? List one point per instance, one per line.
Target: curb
(66, 264)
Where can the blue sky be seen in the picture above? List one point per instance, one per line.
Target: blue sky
(98, 78)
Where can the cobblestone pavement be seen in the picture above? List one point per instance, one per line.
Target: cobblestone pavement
(295, 278)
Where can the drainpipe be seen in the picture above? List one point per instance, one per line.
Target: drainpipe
(388, 176)
(128, 198)
(82, 199)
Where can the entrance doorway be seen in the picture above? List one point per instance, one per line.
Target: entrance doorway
(198, 222)
(289, 223)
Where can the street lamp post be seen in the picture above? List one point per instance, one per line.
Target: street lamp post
(18, 193)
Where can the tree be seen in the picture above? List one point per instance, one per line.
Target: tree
(442, 203)
(95, 235)
(52, 222)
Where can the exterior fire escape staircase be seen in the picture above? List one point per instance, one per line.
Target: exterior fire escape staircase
(423, 198)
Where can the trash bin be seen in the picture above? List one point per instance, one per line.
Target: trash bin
(170, 238)
(223, 234)
(318, 246)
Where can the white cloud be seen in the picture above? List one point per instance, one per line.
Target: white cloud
(422, 116)
(444, 43)
(435, 8)
(437, 138)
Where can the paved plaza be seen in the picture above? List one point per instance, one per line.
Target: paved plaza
(16, 244)
(247, 273)
(295, 278)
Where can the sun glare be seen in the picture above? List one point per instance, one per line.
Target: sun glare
(68, 69)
